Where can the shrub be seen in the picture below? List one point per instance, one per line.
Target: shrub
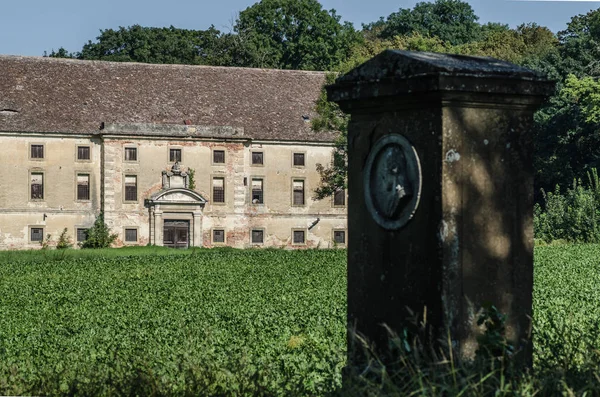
(573, 216)
(99, 236)
(64, 241)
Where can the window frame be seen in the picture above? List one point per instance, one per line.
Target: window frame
(137, 198)
(345, 231)
(180, 153)
(137, 234)
(344, 196)
(137, 157)
(262, 154)
(89, 191)
(212, 189)
(251, 190)
(30, 230)
(43, 174)
(213, 162)
(43, 145)
(212, 236)
(303, 159)
(303, 180)
(300, 229)
(76, 237)
(89, 148)
(258, 229)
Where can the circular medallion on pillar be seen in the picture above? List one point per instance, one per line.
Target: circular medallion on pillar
(392, 181)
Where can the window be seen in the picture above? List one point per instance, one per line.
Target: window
(37, 151)
(218, 190)
(83, 152)
(299, 236)
(83, 186)
(130, 154)
(131, 235)
(81, 235)
(130, 188)
(36, 234)
(339, 236)
(218, 235)
(299, 159)
(339, 198)
(219, 156)
(257, 158)
(37, 186)
(257, 236)
(175, 155)
(257, 191)
(298, 192)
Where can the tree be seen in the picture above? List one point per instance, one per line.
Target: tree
(294, 34)
(155, 45)
(99, 235)
(452, 21)
(61, 53)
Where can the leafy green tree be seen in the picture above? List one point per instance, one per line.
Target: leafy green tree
(452, 21)
(61, 53)
(580, 46)
(99, 235)
(156, 45)
(294, 34)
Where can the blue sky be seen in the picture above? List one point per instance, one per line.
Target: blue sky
(30, 27)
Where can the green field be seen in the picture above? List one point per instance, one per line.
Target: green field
(205, 322)
(223, 321)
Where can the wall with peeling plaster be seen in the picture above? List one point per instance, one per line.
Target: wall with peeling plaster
(107, 168)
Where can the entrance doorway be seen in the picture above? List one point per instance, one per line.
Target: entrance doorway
(176, 233)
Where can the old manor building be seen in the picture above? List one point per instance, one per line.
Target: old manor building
(173, 155)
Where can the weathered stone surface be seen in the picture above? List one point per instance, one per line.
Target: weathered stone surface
(470, 240)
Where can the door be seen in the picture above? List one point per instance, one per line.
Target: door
(176, 233)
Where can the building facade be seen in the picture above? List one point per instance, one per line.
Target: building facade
(172, 155)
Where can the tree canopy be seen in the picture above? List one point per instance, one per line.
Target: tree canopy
(295, 34)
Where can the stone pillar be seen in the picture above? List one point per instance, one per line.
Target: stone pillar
(440, 208)
(197, 229)
(158, 227)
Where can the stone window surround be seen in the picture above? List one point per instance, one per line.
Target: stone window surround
(77, 228)
(29, 230)
(137, 185)
(294, 179)
(252, 163)
(89, 175)
(262, 229)
(77, 146)
(137, 153)
(44, 183)
(339, 229)
(299, 229)
(212, 236)
(169, 153)
(31, 144)
(212, 179)
(137, 235)
(212, 155)
(294, 152)
(334, 205)
(251, 178)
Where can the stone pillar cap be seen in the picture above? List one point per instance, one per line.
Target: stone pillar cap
(402, 73)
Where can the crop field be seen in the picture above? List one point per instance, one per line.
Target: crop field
(204, 323)
(222, 321)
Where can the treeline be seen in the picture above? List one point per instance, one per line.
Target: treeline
(300, 34)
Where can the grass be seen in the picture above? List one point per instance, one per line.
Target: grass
(258, 322)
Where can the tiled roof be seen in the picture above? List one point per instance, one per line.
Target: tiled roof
(71, 96)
